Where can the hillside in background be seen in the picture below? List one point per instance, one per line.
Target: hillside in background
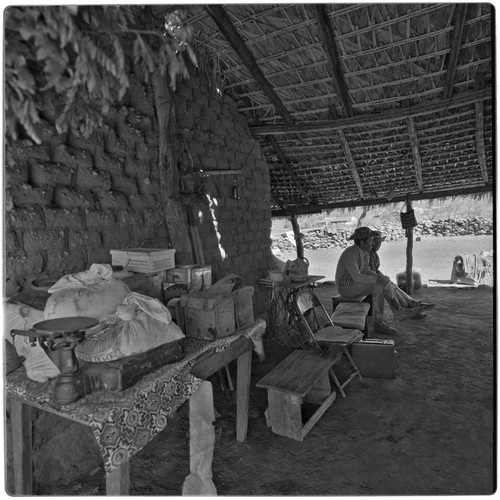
(460, 207)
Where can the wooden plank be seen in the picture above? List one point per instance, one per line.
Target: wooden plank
(319, 412)
(297, 373)
(285, 414)
(21, 447)
(207, 364)
(173, 213)
(118, 480)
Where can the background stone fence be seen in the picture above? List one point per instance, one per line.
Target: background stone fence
(337, 236)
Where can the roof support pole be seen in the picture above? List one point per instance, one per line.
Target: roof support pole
(298, 237)
(409, 252)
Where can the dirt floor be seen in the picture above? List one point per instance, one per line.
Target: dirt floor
(429, 431)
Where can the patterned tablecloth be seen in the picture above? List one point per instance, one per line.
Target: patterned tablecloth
(124, 422)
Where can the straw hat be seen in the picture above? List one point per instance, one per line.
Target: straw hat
(361, 233)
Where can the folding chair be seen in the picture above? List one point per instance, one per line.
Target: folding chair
(322, 330)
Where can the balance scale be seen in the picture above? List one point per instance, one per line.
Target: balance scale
(58, 338)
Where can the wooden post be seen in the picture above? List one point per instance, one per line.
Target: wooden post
(118, 480)
(409, 252)
(409, 261)
(21, 444)
(298, 238)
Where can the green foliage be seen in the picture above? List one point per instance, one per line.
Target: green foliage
(75, 56)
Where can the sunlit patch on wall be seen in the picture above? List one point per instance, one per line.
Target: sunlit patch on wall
(212, 204)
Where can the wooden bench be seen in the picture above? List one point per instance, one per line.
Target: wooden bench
(288, 384)
(354, 312)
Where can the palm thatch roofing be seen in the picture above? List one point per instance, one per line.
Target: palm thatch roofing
(352, 102)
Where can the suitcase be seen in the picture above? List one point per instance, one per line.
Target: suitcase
(375, 358)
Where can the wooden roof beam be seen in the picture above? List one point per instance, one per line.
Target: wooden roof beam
(384, 117)
(333, 55)
(456, 41)
(306, 209)
(412, 132)
(223, 22)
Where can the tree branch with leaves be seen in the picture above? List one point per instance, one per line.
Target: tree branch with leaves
(75, 58)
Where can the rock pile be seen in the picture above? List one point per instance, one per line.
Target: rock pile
(330, 237)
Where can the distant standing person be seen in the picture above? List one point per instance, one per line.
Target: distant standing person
(405, 301)
(354, 277)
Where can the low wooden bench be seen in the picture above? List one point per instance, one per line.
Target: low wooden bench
(354, 312)
(287, 385)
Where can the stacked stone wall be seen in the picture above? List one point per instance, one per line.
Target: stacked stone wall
(336, 236)
(70, 200)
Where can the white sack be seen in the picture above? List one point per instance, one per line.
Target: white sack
(139, 324)
(92, 294)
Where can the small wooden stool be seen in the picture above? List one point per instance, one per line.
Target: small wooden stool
(287, 384)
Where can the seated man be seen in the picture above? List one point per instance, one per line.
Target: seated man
(354, 277)
(405, 301)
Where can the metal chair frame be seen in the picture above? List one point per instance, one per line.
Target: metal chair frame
(315, 319)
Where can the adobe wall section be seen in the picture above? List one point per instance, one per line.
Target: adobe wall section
(70, 200)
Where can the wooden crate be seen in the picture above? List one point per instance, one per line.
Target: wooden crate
(198, 278)
(208, 316)
(243, 306)
(144, 260)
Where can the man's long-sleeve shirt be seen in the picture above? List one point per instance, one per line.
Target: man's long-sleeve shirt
(352, 267)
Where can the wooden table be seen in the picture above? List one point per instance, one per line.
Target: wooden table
(284, 325)
(118, 477)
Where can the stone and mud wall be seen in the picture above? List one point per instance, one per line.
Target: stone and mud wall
(70, 200)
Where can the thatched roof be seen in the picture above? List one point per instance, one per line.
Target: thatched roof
(352, 101)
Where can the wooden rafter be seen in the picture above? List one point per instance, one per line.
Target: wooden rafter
(416, 153)
(330, 48)
(286, 164)
(481, 154)
(220, 18)
(352, 164)
(388, 116)
(455, 49)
